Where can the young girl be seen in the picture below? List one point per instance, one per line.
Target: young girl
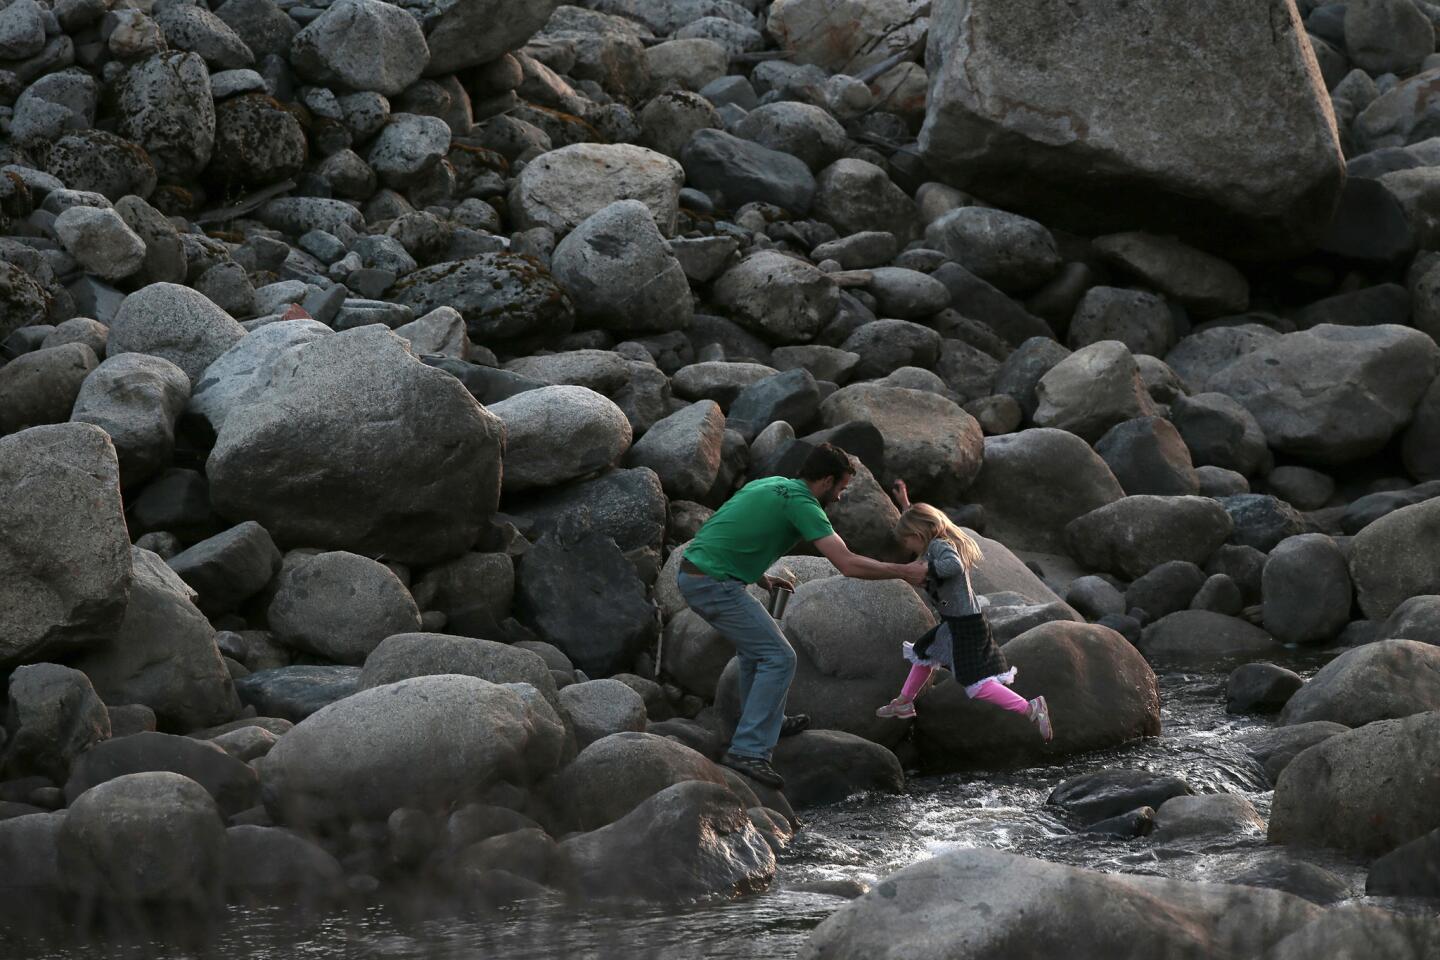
(962, 640)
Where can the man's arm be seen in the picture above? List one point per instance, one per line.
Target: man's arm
(850, 564)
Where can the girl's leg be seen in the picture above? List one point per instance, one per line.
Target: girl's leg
(919, 676)
(992, 691)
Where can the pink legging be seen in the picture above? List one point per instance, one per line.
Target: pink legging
(991, 691)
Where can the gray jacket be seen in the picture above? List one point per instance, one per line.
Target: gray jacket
(948, 582)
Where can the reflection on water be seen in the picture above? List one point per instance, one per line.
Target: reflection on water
(863, 838)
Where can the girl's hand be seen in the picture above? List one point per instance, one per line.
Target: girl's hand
(901, 493)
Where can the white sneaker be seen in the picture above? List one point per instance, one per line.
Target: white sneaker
(897, 709)
(1040, 715)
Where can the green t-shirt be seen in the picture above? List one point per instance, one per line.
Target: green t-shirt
(756, 527)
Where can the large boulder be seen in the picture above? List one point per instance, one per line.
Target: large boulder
(559, 433)
(598, 708)
(1333, 394)
(229, 568)
(242, 373)
(627, 505)
(165, 655)
(427, 742)
(474, 591)
(742, 171)
(1133, 535)
(1416, 619)
(1034, 482)
(1092, 390)
(785, 299)
(576, 589)
(617, 268)
(257, 142)
(407, 655)
(929, 440)
(176, 323)
(164, 106)
(431, 453)
(846, 37)
(827, 766)
(687, 842)
(1394, 559)
(1148, 455)
(1364, 792)
(153, 836)
(136, 399)
(1219, 432)
(468, 33)
(1027, 100)
(1101, 693)
(843, 672)
(231, 782)
(1205, 635)
(1305, 590)
(1030, 906)
(619, 772)
(505, 298)
(1205, 284)
(340, 606)
(1385, 680)
(65, 570)
(53, 717)
(684, 450)
(563, 187)
(40, 387)
(361, 45)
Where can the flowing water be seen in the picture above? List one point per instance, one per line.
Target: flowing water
(862, 839)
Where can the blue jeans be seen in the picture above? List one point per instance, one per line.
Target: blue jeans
(767, 661)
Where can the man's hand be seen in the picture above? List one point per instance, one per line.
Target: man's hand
(915, 572)
(768, 583)
(901, 493)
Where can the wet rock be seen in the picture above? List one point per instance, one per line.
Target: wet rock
(1135, 534)
(986, 63)
(1202, 635)
(783, 298)
(616, 774)
(165, 107)
(40, 387)
(1391, 560)
(136, 399)
(363, 45)
(143, 837)
(1275, 748)
(1363, 791)
(293, 693)
(1384, 680)
(1307, 390)
(1280, 872)
(1103, 914)
(432, 453)
(697, 833)
(53, 717)
(1033, 483)
(827, 766)
(1103, 794)
(563, 187)
(742, 171)
(1306, 590)
(65, 576)
(1092, 390)
(340, 606)
(1100, 690)
(505, 299)
(425, 743)
(617, 269)
(165, 655)
(1219, 814)
(1260, 688)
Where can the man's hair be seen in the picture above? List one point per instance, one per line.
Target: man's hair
(826, 461)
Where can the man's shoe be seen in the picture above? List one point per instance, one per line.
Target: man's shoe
(755, 768)
(795, 724)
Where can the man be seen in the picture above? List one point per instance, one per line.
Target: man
(756, 527)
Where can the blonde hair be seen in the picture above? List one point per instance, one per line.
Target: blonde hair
(926, 522)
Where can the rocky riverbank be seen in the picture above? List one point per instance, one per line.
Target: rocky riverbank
(364, 369)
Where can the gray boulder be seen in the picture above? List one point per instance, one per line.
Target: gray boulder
(1305, 590)
(1201, 355)
(53, 717)
(407, 655)
(101, 241)
(175, 323)
(994, 72)
(136, 399)
(362, 45)
(432, 454)
(783, 298)
(1200, 635)
(1211, 815)
(270, 864)
(144, 837)
(40, 387)
(800, 129)
(1148, 455)
(1388, 36)
(1135, 534)
(65, 573)
(828, 766)
(742, 171)
(469, 33)
(241, 373)
(627, 505)
(1416, 619)
(427, 743)
(855, 196)
(165, 655)
(164, 106)
(1205, 284)
(1012, 252)
(559, 433)
(340, 606)
(689, 841)
(231, 782)
(684, 450)
(616, 774)
(1333, 394)
(407, 148)
(198, 30)
(563, 187)
(842, 38)
(1219, 432)
(1260, 688)
(1364, 792)
(229, 568)
(616, 267)
(295, 692)
(1385, 680)
(598, 708)
(1276, 747)
(1092, 390)
(1140, 320)
(1393, 559)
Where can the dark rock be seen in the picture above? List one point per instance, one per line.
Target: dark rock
(294, 693)
(1202, 635)
(232, 783)
(1260, 688)
(229, 568)
(1384, 680)
(1147, 455)
(1134, 535)
(271, 864)
(1262, 521)
(742, 172)
(1169, 587)
(1410, 870)
(53, 717)
(1219, 432)
(826, 766)
(1306, 590)
(1103, 794)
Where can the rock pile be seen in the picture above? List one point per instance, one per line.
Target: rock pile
(364, 368)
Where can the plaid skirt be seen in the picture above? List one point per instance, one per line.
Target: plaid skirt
(963, 645)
